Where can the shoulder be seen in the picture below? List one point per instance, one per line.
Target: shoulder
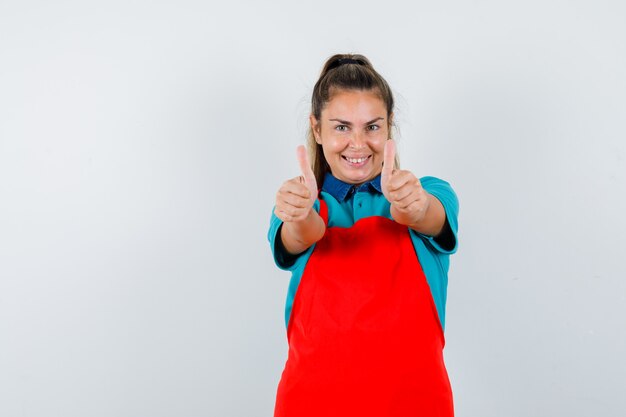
(434, 182)
(442, 190)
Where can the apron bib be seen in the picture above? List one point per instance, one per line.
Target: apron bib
(364, 335)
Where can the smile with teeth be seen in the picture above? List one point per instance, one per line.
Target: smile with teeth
(356, 160)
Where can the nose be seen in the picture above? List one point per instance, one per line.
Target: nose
(357, 140)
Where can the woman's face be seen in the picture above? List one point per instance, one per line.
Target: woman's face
(352, 130)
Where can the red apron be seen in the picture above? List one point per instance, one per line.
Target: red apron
(364, 334)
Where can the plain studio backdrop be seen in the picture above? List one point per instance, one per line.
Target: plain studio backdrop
(142, 144)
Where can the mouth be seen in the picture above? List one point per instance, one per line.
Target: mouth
(356, 162)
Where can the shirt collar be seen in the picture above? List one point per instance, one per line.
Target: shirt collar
(341, 190)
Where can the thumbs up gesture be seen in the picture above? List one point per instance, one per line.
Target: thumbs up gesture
(409, 201)
(296, 196)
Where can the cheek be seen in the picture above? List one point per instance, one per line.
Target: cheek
(333, 143)
(378, 143)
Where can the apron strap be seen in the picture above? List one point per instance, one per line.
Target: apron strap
(323, 210)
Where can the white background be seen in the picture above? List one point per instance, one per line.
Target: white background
(142, 143)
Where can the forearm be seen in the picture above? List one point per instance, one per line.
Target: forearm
(434, 220)
(299, 236)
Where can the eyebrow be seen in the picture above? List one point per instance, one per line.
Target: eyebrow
(345, 122)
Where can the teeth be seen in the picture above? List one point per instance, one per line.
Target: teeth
(356, 160)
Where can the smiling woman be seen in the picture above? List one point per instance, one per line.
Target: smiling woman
(367, 245)
(352, 132)
(352, 96)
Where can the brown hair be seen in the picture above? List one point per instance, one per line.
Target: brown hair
(344, 72)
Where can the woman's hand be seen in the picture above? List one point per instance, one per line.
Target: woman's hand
(302, 225)
(295, 198)
(409, 201)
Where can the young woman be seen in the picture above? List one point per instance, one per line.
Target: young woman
(368, 246)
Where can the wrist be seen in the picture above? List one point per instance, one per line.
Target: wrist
(305, 231)
(433, 218)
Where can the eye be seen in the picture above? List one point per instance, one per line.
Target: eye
(341, 128)
(373, 127)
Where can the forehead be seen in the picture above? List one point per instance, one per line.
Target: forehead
(354, 105)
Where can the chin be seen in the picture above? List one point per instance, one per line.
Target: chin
(358, 179)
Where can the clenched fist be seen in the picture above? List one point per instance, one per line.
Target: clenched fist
(295, 198)
(409, 201)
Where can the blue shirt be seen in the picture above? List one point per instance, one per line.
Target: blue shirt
(341, 190)
(348, 203)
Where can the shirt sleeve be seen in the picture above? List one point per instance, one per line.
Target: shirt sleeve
(283, 259)
(447, 241)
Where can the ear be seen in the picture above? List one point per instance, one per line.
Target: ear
(315, 126)
(390, 120)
